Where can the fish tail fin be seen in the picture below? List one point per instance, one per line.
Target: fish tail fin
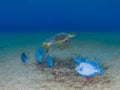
(100, 71)
(49, 61)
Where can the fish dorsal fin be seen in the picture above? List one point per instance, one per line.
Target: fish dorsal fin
(78, 60)
(93, 63)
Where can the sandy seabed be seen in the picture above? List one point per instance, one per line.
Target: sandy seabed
(14, 75)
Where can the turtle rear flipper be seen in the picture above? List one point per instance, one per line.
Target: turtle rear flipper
(46, 46)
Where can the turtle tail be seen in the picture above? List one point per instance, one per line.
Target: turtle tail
(46, 46)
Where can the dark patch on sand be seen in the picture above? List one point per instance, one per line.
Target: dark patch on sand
(63, 72)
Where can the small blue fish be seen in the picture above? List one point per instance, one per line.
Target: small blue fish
(39, 54)
(23, 57)
(87, 67)
(49, 61)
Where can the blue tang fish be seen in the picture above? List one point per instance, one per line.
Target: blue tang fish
(23, 57)
(49, 61)
(39, 54)
(87, 67)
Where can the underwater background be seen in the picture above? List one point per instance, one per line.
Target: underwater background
(26, 24)
(61, 15)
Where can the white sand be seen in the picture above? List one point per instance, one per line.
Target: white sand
(14, 75)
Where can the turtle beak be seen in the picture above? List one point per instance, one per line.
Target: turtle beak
(72, 34)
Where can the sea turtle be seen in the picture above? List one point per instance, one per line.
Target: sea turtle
(62, 40)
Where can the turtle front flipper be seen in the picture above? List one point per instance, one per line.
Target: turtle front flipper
(60, 44)
(64, 44)
(46, 46)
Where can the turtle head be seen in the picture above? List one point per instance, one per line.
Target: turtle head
(71, 34)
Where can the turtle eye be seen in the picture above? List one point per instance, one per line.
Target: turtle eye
(73, 33)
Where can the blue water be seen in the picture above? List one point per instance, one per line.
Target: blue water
(36, 38)
(62, 15)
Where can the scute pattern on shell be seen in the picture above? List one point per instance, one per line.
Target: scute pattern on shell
(60, 37)
(62, 40)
